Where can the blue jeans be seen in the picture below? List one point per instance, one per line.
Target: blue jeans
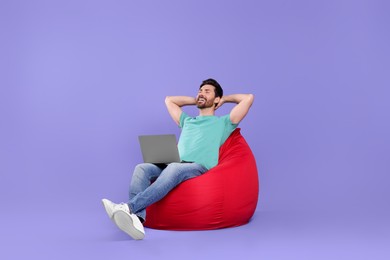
(150, 183)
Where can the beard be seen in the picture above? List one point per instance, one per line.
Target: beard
(203, 103)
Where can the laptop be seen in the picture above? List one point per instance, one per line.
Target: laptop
(159, 148)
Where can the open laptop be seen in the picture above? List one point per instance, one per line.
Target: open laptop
(159, 148)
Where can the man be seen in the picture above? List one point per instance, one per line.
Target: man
(198, 145)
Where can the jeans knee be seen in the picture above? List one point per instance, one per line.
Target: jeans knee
(146, 171)
(140, 167)
(144, 166)
(140, 170)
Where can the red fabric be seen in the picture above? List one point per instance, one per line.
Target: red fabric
(225, 196)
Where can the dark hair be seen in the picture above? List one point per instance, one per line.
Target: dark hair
(217, 88)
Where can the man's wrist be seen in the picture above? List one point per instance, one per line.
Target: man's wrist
(182, 100)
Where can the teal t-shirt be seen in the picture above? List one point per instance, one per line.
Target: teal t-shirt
(202, 136)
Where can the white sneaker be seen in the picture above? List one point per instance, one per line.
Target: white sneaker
(111, 207)
(129, 223)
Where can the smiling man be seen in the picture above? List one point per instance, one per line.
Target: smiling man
(199, 143)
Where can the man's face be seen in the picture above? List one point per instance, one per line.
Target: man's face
(205, 97)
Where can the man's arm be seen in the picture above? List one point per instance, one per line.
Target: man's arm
(243, 101)
(174, 104)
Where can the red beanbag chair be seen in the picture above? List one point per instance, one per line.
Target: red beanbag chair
(225, 196)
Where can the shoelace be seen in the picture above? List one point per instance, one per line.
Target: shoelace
(122, 206)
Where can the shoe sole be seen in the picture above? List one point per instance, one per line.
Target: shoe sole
(125, 223)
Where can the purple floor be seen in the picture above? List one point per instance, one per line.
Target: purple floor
(53, 234)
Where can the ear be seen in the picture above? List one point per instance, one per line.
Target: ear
(216, 100)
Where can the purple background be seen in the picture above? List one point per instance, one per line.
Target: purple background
(80, 80)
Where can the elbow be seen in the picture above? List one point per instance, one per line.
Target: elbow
(167, 99)
(251, 98)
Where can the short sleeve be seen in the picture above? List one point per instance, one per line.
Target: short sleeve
(229, 126)
(228, 122)
(183, 116)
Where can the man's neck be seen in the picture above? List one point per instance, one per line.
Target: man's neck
(207, 111)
